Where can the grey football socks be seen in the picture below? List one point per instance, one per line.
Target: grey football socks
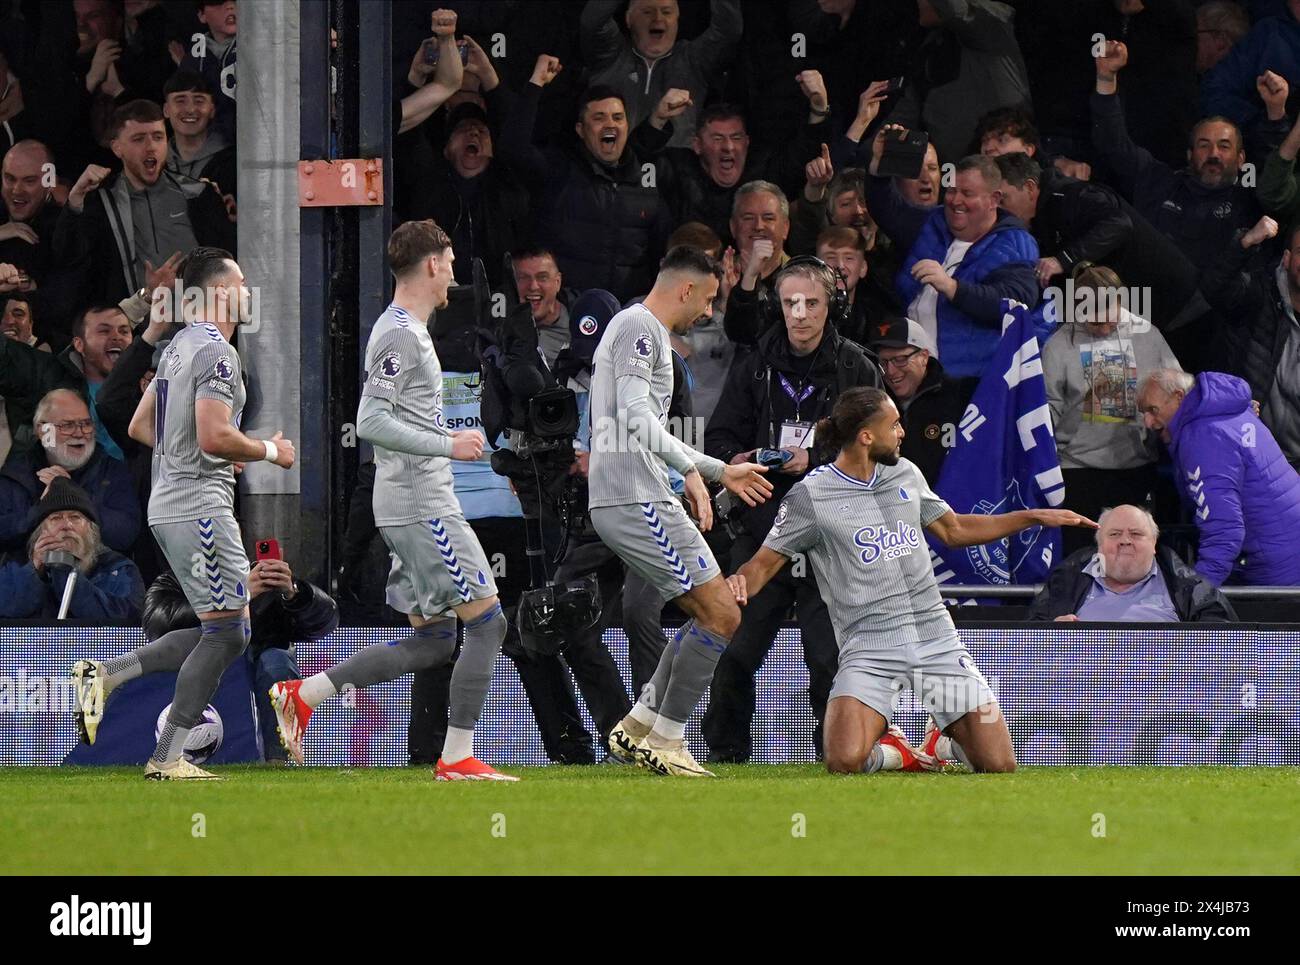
(220, 642)
(947, 749)
(428, 646)
(696, 655)
(473, 671)
(127, 667)
(958, 753)
(646, 709)
(167, 653)
(875, 760)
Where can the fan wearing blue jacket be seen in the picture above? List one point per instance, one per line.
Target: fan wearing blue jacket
(1230, 471)
(962, 259)
(1231, 89)
(32, 585)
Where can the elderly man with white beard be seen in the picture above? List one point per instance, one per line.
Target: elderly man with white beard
(32, 583)
(66, 448)
(1128, 578)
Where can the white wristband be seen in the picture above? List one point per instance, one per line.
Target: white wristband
(272, 453)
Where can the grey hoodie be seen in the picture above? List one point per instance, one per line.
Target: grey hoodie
(1092, 392)
(117, 200)
(213, 144)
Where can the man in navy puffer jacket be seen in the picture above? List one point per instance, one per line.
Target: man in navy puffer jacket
(1243, 493)
(605, 227)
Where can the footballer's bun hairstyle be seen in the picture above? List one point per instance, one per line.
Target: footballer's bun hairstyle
(854, 409)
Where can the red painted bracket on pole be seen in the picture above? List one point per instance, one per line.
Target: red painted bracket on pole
(342, 182)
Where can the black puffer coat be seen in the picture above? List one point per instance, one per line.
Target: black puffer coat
(606, 229)
(276, 622)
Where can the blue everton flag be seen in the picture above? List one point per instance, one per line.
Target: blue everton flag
(1004, 459)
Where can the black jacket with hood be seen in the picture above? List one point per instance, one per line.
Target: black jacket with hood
(605, 226)
(755, 403)
(101, 239)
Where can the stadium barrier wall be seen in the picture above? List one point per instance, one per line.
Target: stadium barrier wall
(1114, 694)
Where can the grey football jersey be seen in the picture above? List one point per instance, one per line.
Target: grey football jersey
(402, 368)
(621, 471)
(187, 482)
(868, 551)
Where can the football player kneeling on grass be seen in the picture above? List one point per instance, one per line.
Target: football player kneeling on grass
(859, 521)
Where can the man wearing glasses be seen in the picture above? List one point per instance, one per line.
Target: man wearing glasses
(930, 402)
(67, 449)
(100, 334)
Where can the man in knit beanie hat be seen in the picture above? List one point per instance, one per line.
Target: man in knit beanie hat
(65, 537)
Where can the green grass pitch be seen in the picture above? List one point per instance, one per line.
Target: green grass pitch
(754, 819)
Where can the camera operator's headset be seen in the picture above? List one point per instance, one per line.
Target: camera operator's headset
(769, 307)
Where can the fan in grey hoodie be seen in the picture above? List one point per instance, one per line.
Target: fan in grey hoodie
(644, 65)
(1092, 372)
(199, 149)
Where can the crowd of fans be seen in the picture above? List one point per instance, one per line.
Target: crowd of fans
(1124, 168)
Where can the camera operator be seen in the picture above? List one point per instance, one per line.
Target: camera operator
(774, 396)
(283, 610)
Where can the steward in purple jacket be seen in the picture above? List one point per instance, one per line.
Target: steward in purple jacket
(1230, 471)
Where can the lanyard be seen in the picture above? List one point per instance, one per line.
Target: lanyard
(799, 396)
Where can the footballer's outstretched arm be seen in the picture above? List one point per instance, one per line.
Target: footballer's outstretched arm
(744, 479)
(973, 529)
(755, 573)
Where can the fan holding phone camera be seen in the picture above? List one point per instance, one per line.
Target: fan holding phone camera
(440, 58)
(270, 571)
